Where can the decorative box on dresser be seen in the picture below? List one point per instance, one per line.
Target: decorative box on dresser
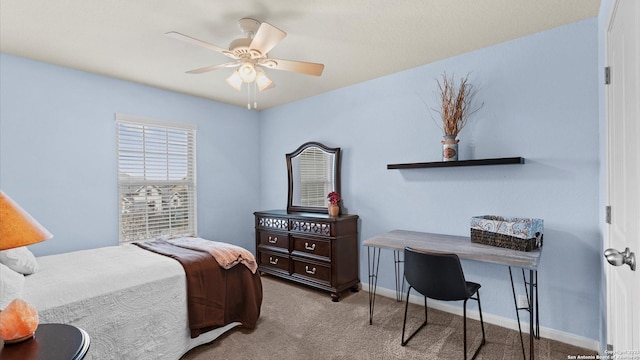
(311, 249)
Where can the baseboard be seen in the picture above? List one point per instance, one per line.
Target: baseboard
(548, 333)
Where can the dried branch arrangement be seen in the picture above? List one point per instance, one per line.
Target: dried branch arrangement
(456, 104)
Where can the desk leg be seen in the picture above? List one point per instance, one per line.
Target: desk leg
(399, 276)
(535, 285)
(532, 334)
(515, 302)
(373, 262)
(531, 292)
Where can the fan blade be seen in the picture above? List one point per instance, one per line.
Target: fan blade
(204, 44)
(271, 86)
(213, 67)
(266, 38)
(295, 66)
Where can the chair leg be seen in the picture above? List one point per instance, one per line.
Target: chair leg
(464, 328)
(404, 323)
(481, 321)
(425, 310)
(477, 298)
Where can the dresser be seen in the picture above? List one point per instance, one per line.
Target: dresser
(308, 248)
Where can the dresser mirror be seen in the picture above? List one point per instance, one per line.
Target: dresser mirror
(314, 171)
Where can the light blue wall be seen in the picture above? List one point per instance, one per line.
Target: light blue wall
(540, 97)
(58, 153)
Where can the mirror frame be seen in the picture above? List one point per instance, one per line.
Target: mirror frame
(313, 209)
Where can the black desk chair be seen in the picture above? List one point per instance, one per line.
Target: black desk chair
(439, 276)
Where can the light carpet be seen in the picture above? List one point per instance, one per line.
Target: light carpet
(298, 322)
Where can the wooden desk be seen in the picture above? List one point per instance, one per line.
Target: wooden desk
(397, 240)
(51, 342)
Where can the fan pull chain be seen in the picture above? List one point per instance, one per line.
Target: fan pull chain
(248, 96)
(253, 86)
(255, 95)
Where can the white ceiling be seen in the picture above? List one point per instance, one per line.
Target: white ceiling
(357, 40)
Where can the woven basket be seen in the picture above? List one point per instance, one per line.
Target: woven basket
(504, 241)
(507, 232)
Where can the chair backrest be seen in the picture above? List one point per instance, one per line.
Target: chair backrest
(435, 275)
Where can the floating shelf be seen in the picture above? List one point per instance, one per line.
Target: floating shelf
(477, 162)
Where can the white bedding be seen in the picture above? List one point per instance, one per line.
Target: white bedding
(131, 302)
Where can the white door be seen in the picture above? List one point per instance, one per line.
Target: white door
(623, 183)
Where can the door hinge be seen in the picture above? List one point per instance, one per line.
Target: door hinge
(608, 214)
(607, 75)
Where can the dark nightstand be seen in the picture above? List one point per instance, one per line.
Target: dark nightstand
(51, 342)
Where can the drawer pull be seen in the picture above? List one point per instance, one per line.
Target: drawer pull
(273, 240)
(312, 247)
(312, 271)
(273, 261)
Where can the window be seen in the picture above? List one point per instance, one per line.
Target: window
(156, 178)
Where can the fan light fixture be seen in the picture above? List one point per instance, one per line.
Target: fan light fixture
(247, 72)
(252, 75)
(263, 81)
(235, 81)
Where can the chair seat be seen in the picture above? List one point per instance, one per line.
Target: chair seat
(473, 287)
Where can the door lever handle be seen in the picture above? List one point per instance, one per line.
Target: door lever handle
(617, 258)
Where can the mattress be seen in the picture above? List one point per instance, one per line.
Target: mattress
(131, 302)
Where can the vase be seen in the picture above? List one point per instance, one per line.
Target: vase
(334, 210)
(450, 148)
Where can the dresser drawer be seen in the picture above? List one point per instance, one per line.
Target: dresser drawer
(273, 239)
(274, 261)
(312, 227)
(314, 247)
(313, 271)
(274, 223)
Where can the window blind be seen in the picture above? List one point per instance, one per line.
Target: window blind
(156, 178)
(315, 169)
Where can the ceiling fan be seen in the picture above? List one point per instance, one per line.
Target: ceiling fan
(250, 55)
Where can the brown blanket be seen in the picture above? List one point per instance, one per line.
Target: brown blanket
(215, 296)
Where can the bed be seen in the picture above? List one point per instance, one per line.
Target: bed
(131, 301)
